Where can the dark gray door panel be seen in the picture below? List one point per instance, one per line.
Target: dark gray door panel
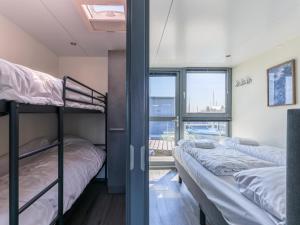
(116, 120)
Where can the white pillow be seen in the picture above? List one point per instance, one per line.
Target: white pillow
(266, 187)
(25, 148)
(205, 143)
(264, 152)
(33, 145)
(201, 143)
(72, 139)
(245, 141)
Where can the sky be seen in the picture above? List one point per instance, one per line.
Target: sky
(162, 86)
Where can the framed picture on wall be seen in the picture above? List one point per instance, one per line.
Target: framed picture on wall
(281, 84)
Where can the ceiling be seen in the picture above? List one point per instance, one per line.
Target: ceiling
(56, 23)
(203, 32)
(182, 32)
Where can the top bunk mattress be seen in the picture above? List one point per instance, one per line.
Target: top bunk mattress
(21, 84)
(24, 85)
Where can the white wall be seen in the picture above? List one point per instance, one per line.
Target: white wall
(92, 71)
(19, 47)
(251, 116)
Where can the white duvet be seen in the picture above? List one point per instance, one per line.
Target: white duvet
(24, 85)
(82, 161)
(224, 162)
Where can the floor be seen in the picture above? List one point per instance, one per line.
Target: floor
(97, 207)
(170, 202)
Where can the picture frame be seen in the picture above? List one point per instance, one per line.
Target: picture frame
(281, 84)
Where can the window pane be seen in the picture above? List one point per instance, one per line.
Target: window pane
(162, 92)
(195, 130)
(162, 130)
(206, 92)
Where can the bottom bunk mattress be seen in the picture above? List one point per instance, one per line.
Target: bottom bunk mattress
(224, 193)
(82, 161)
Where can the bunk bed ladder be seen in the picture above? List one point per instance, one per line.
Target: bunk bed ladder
(14, 158)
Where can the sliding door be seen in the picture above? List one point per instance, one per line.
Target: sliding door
(137, 86)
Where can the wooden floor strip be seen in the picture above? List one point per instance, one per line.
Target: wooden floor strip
(97, 207)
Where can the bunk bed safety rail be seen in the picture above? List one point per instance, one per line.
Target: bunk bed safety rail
(14, 158)
(92, 97)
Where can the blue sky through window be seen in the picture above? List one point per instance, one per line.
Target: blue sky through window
(205, 92)
(162, 86)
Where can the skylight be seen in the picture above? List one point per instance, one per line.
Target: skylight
(105, 12)
(107, 8)
(103, 15)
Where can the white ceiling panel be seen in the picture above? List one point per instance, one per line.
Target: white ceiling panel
(203, 32)
(56, 23)
(182, 33)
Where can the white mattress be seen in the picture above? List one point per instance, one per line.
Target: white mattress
(224, 193)
(24, 85)
(82, 161)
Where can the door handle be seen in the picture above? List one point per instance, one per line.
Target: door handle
(117, 129)
(176, 121)
(131, 157)
(143, 158)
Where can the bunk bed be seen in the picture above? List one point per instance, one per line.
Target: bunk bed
(28, 91)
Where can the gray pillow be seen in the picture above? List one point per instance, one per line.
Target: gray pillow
(245, 141)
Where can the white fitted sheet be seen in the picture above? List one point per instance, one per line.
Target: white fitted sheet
(224, 193)
(82, 161)
(24, 85)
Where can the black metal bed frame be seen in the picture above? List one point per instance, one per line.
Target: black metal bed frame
(13, 109)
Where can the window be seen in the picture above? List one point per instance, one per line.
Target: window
(205, 92)
(107, 8)
(162, 96)
(105, 12)
(188, 103)
(162, 130)
(206, 103)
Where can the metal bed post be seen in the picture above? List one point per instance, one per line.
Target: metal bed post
(106, 126)
(64, 90)
(60, 137)
(13, 163)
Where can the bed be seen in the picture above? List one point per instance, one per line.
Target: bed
(219, 197)
(23, 90)
(24, 85)
(82, 162)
